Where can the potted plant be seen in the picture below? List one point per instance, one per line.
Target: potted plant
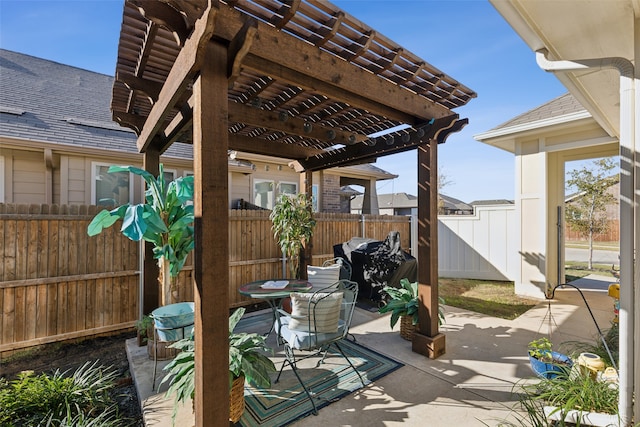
(165, 219)
(545, 362)
(248, 361)
(402, 302)
(292, 225)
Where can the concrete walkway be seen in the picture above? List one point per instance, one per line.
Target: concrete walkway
(471, 385)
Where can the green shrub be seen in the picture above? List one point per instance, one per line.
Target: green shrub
(58, 399)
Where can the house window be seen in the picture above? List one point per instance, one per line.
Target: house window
(263, 193)
(288, 188)
(110, 189)
(169, 175)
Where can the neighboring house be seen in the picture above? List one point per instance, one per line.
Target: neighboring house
(407, 204)
(57, 140)
(612, 215)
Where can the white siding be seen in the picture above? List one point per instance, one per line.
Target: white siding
(480, 246)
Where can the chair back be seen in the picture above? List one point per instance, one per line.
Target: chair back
(323, 277)
(322, 317)
(345, 267)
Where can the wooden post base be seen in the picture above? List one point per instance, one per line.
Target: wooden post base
(432, 347)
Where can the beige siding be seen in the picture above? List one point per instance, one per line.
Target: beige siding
(240, 188)
(28, 177)
(76, 178)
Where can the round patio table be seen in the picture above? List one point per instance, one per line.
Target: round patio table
(260, 289)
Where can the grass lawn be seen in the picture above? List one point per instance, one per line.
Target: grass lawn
(575, 270)
(492, 298)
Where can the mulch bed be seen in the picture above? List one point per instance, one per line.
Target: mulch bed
(67, 357)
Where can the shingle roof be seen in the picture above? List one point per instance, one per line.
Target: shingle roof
(560, 106)
(46, 101)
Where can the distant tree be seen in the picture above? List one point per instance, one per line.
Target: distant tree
(443, 181)
(587, 213)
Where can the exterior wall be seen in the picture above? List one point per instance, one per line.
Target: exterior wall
(25, 177)
(540, 203)
(27, 169)
(330, 194)
(480, 246)
(239, 188)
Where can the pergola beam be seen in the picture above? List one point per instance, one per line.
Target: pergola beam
(290, 125)
(314, 67)
(270, 148)
(184, 69)
(384, 145)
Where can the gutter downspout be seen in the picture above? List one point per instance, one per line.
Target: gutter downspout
(627, 209)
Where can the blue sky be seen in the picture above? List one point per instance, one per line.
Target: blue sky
(466, 39)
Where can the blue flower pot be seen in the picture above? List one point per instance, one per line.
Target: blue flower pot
(561, 364)
(174, 321)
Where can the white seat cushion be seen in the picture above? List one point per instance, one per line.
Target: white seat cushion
(321, 317)
(303, 340)
(323, 277)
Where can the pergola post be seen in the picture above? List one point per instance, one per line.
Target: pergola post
(428, 341)
(150, 268)
(211, 255)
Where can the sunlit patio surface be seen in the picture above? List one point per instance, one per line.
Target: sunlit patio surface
(471, 385)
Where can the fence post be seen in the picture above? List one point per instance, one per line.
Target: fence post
(413, 233)
(362, 219)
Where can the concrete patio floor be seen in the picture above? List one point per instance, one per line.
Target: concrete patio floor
(471, 385)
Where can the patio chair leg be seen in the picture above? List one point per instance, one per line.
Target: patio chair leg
(155, 358)
(350, 364)
(291, 360)
(295, 371)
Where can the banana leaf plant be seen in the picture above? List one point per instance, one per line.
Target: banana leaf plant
(165, 219)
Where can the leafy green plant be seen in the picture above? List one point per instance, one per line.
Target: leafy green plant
(166, 220)
(292, 226)
(575, 390)
(38, 399)
(142, 326)
(247, 356)
(541, 349)
(403, 301)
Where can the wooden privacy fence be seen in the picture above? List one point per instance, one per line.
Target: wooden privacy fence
(57, 283)
(612, 234)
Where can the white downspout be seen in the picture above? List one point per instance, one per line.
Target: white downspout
(627, 209)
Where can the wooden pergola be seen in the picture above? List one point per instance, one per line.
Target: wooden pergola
(296, 79)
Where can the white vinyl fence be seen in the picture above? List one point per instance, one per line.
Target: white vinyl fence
(480, 246)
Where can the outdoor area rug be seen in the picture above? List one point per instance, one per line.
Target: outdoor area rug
(286, 401)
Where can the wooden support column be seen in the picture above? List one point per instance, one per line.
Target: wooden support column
(150, 269)
(428, 341)
(211, 203)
